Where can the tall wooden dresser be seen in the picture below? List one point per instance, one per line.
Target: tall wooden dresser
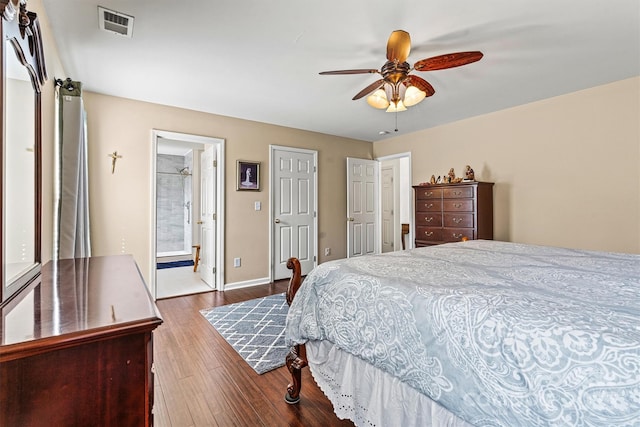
(77, 348)
(448, 212)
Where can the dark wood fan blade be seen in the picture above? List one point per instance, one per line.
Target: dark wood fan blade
(449, 60)
(398, 46)
(361, 71)
(420, 83)
(367, 90)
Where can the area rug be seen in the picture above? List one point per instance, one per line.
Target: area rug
(173, 264)
(255, 329)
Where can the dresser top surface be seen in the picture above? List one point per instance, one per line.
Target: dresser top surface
(445, 185)
(78, 297)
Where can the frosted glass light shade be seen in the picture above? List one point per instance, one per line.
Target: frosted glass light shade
(378, 99)
(413, 95)
(396, 107)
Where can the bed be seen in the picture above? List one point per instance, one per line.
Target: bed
(476, 333)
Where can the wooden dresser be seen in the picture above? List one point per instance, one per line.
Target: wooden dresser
(448, 212)
(76, 349)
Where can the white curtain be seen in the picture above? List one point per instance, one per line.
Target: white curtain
(73, 237)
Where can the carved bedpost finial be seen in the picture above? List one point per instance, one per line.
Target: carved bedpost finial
(296, 278)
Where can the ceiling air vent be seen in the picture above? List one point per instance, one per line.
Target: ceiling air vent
(115, 22)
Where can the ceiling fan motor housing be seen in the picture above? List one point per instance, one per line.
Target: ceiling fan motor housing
(394, 72)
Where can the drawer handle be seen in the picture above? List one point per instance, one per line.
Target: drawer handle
(428, 233)
(429, 194)
(430, 205)
(428, 219)
(456, 236)
(457, 193)
(457, 205)
(458, 220)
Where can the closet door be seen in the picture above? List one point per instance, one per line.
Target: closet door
(363, 222)
(293, 209)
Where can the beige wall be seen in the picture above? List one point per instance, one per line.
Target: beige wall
(120, 203)
(567, 169)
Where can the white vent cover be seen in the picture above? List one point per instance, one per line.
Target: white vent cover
(115, 22)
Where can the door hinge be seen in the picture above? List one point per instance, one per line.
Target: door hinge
(314, 169)
(213, 270)
(214, 216)
(315, 214)
(215, 163)
(314, 258)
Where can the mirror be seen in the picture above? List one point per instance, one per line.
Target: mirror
(23, 75)
(19, 172)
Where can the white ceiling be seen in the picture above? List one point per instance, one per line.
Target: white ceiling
(259, 60)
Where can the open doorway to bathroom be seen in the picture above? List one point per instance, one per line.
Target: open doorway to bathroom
(186, 234)
(174, 203)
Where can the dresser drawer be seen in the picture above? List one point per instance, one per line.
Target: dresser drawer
(429, 205)
(428, 193)
(458, 220)
(458, 205)
(458, 192)
(429, 219)
(429, 233)
(456, 234)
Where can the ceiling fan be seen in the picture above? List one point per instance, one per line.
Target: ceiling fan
(398, 89)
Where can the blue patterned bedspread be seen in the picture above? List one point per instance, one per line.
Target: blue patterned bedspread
(501, 334)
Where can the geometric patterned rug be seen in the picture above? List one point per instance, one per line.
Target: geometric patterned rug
(255, 329)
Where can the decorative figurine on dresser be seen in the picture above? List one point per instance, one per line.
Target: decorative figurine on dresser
(451, 212)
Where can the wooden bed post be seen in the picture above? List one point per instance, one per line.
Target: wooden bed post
(297, 357)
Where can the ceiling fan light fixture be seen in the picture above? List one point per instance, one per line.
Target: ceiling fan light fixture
(396, 107)
(398, 88)
(413, 96)
(378, 99)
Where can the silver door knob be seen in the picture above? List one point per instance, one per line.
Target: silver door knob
(277, 221)
(350, 219)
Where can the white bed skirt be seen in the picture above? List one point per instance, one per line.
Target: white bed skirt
(369, 396)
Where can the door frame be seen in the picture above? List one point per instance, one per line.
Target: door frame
(272, 149)
(396, 186)
(219, 146)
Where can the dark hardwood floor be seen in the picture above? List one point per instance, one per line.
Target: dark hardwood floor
(201, 381)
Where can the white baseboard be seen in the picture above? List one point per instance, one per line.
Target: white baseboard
(247, 283)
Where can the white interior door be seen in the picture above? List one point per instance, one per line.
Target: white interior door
(293, 209)
(387, 205)
(363, 223)
(208, 216)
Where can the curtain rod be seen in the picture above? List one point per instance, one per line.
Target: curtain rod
(69, 87)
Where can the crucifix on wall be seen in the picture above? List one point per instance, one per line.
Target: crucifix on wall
(114, 157)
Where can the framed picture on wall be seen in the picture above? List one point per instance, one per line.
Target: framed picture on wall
(248, 175)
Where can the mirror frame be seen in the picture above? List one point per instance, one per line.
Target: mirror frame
(21, 29)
